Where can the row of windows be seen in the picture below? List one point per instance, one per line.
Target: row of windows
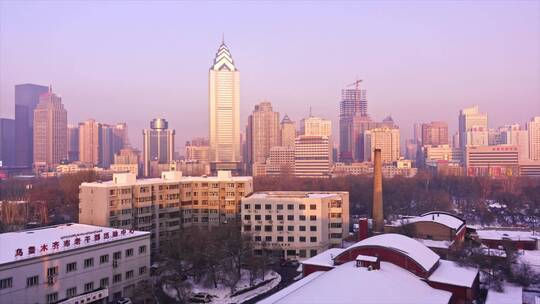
(302, 239)
(280, 206)
(89, 286)
(269, 228)
(279, 217)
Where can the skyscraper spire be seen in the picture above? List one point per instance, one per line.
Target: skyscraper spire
(223, 38)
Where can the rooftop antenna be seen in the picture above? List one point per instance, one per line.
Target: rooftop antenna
(223, 38)
(310, 114)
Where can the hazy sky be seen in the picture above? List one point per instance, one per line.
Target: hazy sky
(133, 61)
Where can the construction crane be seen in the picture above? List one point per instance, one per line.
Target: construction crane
(356, 84)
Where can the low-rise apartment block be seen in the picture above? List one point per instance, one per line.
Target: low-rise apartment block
(296, 224)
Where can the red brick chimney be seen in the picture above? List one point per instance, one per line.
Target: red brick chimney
(363, 230)
(377, 213)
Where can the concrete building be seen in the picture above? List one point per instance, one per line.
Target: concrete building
(316, 126)
(442, 152)
(262, 132)
(493, 161)
(353, 103)
(312, 156)
(386, 139)
(224, 104)
(389, 170)
(50, 132)
(198, 149)
(72, 263)
(281, 161)
(470, 119)
(514, 135)
(288, 132)
(7, 142)
(435, 133)
(163, 205)
(533, 129)
(89, 142)
(106, 146)
(296, 224)
(26, 100)
(120, 138)
(158, 144)
(529, 168)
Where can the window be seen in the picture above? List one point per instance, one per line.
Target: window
(302, 253)
(335, 225)
(129, 274)
(6, 283)
(52, 297)
(117, 278)
(32, 281)
(267, 206)
(302, 228)
(290, 207)
(257, 217)
(302, 239)
(312, 228)
(279, 206)
(247, 217)
(247, 227)
(268, 228)
(302, 217)
(104, 282)
(268, 217)
(279, 228)
(142, 270)
(247, 206)
(257, 206)
(313, 239)
(88, 262)
(88, 286)
(280, 217)
(290, 239)
(335, 235)
(71, 292)
(258, 238)
(129, 252)
(280, 239)
(302, 207)
(290, 228)
(71, 267)
(312, 207)
(104, 259)
(312, 217)
(313, 252)
(52, 271)
(290, 217)
(117, 255)
(257, 228)
(267, 238)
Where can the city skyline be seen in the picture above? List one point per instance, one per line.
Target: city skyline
(483, 65)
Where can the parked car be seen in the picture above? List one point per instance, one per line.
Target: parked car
(201, 297)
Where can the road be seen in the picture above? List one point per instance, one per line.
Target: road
(287, 273)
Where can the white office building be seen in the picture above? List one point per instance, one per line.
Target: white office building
(72, 263)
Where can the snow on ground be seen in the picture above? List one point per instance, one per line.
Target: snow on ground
(532, 258)
(222, 294)
(510, 295)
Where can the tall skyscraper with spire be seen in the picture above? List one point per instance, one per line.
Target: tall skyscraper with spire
(224, 105)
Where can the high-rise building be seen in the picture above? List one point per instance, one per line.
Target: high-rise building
(120, 138)
(353, 103)
(435, 133)
(73, 142)
(127, 160)
(417, 133)
(288, 132)
(198, 150)
(7, 142)
(26, 100)
(492, 160)
(158, 144)
(514, 135)
(262, 132)
(89, 142)
(533, 129)
(183, 201)
(316, 126)
(50, 131)
(470, 119)
(494, 137)
(106, 146)
(385, 139)
(224, 100)
(312, 156)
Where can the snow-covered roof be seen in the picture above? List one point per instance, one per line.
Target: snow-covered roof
(158, 180)
(510, 295)
(325, 258)
(531, 257)
(294, 194)
(350, 284)
(449, 272)
(495, 234)
(436, 243)
(16, 246)
(446, 219)
(417, 251)
(366, 258)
